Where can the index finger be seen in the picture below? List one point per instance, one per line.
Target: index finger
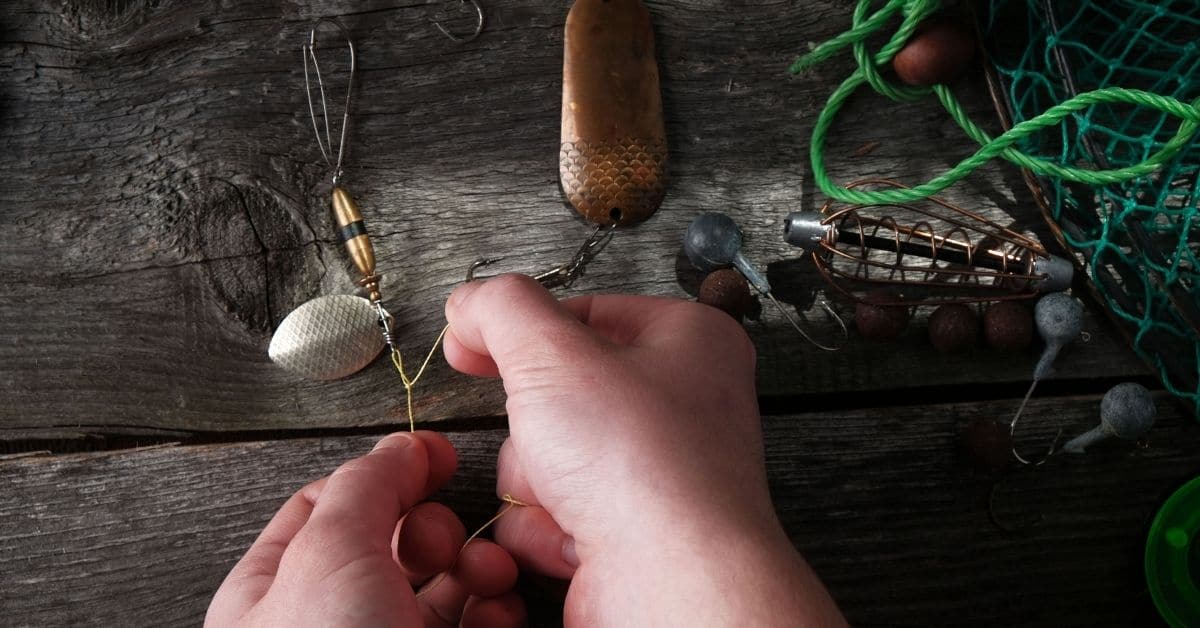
(518, 324)
(512, 321)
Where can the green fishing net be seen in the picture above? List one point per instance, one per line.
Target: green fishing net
(1140, 240)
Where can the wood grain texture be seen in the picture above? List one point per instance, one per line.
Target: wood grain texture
(164, 206)
(878, 501)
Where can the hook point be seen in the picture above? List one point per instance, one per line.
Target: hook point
(480, 263)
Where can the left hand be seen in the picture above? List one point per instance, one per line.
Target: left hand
(351, 549)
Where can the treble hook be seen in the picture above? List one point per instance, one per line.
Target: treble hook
(308, 51)
(565, 274)
(478, 24)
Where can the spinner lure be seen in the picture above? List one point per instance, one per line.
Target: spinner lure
(334, 336)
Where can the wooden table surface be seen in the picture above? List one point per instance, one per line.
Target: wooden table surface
(163, 207)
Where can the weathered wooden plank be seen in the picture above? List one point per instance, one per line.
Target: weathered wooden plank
(163, 204)
(878, 501)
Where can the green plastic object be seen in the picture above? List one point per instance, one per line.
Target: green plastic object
(1173, 557)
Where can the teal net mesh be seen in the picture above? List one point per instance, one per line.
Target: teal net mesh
(1139, 240)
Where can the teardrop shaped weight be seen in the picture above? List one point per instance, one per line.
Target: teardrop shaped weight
(328, 338)
(712, 241)
(612, 161)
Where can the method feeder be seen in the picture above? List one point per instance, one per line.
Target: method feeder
(960, 257)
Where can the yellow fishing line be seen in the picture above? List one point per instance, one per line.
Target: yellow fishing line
(510, 502)
(409, 383)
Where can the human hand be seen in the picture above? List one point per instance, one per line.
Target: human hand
(349, 549)
(636, 438)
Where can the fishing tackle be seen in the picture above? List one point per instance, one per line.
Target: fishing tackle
(562, 275)
(1126, 412)
(613, 149)
(961, 257)
(478, 24)
(1059, 320)
(613, 155)
(714, 241)
(335, 336)
(328, 337)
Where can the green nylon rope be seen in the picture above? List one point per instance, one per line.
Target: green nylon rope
(913, 12)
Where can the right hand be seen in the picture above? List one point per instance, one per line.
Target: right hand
(636, 439)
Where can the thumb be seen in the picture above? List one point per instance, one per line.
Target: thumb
(516, 323)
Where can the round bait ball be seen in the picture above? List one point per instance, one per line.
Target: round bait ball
(1127, 411)
(986, 445)
(953, 328)
(727, 290)
(880, 322)
(939, 52)
(1059, 318)
(1008, 326)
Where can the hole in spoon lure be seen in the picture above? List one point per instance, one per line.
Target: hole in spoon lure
(714, 241)
(612, 160)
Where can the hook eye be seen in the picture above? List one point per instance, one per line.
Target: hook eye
(478, 24)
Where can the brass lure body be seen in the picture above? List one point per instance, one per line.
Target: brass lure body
(612, 160)
(352, 231)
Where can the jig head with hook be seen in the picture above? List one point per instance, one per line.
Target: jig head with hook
(1127, 412)
(714, 241)
(1059, 320)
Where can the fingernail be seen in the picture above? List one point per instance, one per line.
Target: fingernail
(568, 552)
(398, 439)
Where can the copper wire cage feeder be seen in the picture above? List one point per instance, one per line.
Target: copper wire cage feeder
(927, 253)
